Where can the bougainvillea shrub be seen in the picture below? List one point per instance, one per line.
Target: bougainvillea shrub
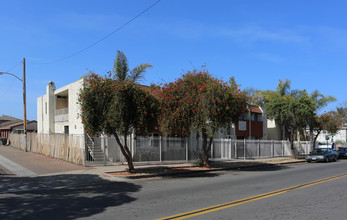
(117, 108)
(198, 102)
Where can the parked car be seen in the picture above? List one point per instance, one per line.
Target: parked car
(342, 152)
(322, 154)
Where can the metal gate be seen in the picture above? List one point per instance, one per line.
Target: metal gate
(227, 149)
(94, 154)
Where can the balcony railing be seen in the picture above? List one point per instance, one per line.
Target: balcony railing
(61, 115)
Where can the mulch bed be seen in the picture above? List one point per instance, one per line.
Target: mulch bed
(165, 169)
(156, 170)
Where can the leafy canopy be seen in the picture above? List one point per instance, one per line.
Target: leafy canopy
(116, 107)
(199, 102)
(122, 72)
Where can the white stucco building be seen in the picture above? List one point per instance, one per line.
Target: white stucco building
(341, 135)
(58, 111)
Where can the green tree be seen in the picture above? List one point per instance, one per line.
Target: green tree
(291, 109)
(316, 127)
(275, 103)
(315, 122)
(341, 114)
(117, 108)
(198, 102)
(299, 109)
(121, 71)
(331, 122)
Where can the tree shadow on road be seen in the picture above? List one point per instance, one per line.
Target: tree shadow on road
(61, 196)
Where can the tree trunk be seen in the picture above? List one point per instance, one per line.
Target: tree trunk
(312, 141)
(315, 140)
(283, 132)
(205, 148)
(126, 152)
(292, 143)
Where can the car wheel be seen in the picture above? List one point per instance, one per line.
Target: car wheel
(327, 159)
(308, 161)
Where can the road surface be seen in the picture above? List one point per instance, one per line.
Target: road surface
(297, 191)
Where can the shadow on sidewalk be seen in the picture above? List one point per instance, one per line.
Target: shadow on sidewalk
(60, 196)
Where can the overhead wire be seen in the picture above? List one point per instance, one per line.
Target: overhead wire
(98, 41)
(13, 80)
(13, 67)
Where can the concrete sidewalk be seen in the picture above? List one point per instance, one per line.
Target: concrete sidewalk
(19, 163)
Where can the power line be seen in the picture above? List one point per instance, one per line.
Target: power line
(10, 85)
(14, 66)
(95, 43)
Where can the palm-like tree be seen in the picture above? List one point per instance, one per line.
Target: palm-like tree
(283, 87)
(121, 70)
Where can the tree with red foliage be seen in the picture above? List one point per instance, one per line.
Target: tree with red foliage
(117, 108)
(198, 102)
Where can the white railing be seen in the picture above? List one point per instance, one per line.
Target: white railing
(61, 115)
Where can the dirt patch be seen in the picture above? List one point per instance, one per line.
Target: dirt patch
(215, 165)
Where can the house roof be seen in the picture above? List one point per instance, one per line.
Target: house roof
(6, 123)
(7, 118)
(10, 126)
(151, 90)
(256, 109)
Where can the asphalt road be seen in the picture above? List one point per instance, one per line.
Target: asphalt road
(163, 198)
(90, 197)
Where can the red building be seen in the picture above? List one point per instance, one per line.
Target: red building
(251, 124)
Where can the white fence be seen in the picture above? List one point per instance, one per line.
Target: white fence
(66, 147)
(75, 149)
(159, 148)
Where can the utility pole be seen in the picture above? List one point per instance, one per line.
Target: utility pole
(25, 108)
(24, 103)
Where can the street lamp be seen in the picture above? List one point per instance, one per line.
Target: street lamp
(24, 103)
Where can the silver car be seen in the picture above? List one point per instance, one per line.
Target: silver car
(322, 154)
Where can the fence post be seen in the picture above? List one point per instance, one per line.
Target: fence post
(258, 148)
(132, 144)
(229, 149)
(187, 150)
(282, 148)
(85, 150)
(244, 148)
(160, 139)
(212, 150)
(236, 156)
(103, 145)
(272, 148)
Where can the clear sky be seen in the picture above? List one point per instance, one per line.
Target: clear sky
(257, 42)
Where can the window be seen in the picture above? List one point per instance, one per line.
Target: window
(66, 129)
(46, 108)
(256, 117)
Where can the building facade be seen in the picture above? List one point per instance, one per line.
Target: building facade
(340, 136)
(58, 110)
(252, 125)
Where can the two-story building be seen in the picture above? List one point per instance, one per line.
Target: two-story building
(58, 110)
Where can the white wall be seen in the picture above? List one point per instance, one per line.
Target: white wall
(46, 120)
(340, 135)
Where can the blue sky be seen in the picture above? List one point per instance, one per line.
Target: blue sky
(258, 42)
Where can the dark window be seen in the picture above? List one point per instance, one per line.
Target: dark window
(66, 129)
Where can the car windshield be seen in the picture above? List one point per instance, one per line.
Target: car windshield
(319, 151)
(343, 149)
